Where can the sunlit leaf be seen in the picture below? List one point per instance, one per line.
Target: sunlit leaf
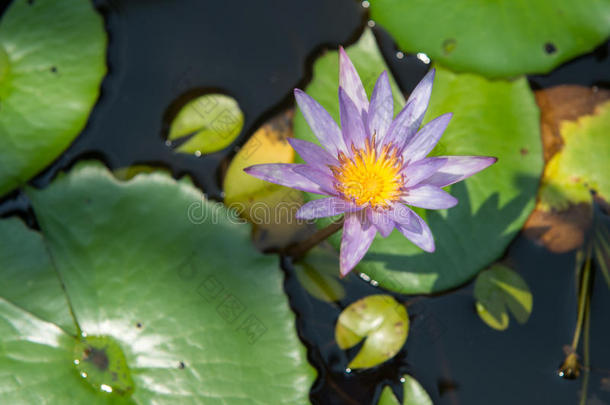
(413, 394)
(502, 38)
(558, 223)
(52, 61)
(378, 319)
(271, 208)
(491, 118)
(499, 290)
(206, 124)
(129, 172)
(169, 278)
(582, 163)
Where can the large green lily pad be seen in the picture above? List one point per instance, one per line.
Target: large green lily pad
(501, 38)
(153, 270)
(492, 118)
(52, 60)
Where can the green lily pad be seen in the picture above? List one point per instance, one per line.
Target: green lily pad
(380, 320)
(199, 314)
(413, 394)
(491, 118)
(498, 290)
(317, 273)
(52, 61)
(582, 163)
(206, 124)
(497, 39)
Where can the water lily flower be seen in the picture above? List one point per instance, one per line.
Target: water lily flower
(374, 165)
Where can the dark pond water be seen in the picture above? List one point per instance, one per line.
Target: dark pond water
(163, 53)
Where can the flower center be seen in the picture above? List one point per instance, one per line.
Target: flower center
(370, 177)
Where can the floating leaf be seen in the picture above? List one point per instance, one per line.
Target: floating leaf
(27, 272)
(317, 273)
(413, 394)
(52, 61)
(498, 290)
(379, 319)
(271, 208)
(129, 172)
(558, 223)
(498, 39)
(491, 118)
(206, 124)
(582, 163)
(180, 298)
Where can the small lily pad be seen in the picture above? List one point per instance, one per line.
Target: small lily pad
(413, 394)
(317, 273)
(499, 290)
(502, 38)
(379, 319)
(52, 61)
(206, 124)
(270, 207)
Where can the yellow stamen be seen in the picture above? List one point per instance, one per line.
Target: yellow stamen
(370, 177)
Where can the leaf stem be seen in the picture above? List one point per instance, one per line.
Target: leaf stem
(583, 294)
(585, 349)
(299, 250)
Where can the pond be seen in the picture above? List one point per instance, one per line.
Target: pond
(161, 56)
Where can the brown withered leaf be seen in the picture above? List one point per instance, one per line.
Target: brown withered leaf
(564, 103)
(562, 230)
(559, 231)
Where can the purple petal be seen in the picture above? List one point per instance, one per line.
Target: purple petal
(382, 220)
(321, 123)
(358, 234)
(421, 170)
(429, 197)
(313, 154)
(351, 122)
(326, 207)
(404, 216)
(350, 81)
(421, 96)
(381, 110)
(323, 178)
(457, 168)
(284, 174)
(401, 130)
(417, 231)
(426, 138)
(410, 118)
